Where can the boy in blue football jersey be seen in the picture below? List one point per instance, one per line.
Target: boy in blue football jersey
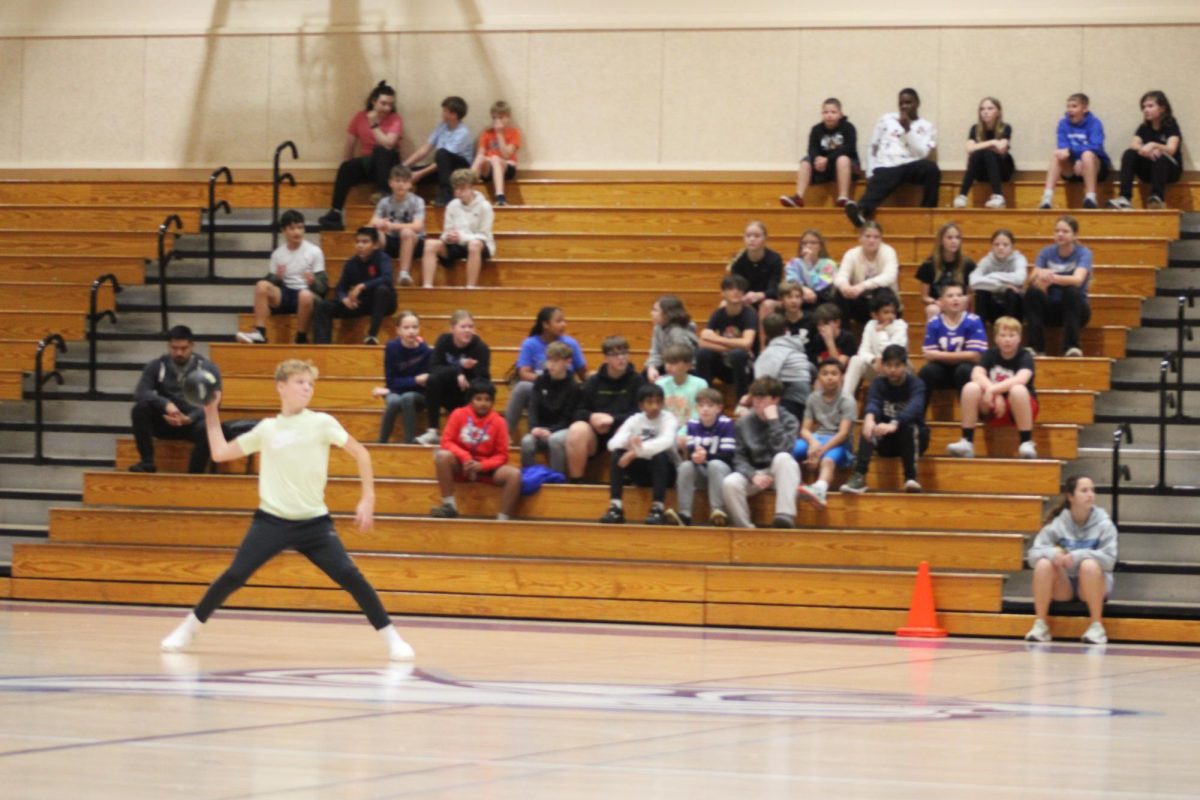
(954, 342)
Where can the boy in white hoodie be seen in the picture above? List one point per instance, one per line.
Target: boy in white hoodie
(884, 328)
(466, 232)
(900, 146)
(644, 448)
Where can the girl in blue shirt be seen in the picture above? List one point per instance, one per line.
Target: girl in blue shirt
(1057, 289)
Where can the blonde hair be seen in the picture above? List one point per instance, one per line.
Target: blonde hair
(295, 366)
(787, 287)
(980, 130)
(502, 108)
(1008, 324)
(940, 264)
(462, 177)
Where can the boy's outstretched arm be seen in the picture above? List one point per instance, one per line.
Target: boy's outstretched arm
(219, 449)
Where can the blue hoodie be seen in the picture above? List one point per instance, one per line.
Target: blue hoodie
(1087, 135)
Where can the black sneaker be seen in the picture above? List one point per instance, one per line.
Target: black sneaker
(854, 215)
(781, 521)
(332, 221)
(501, 200)
(1089, 203)
(614, 516)
(656, 517)
(677, 518)
(143, 466)
(444, 511)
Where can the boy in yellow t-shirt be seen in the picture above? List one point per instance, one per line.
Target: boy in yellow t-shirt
(291, 513)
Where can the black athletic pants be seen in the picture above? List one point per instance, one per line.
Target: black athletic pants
(148, 423)
(377, 303)
(987, 165)
(711, 364)
(940, 375)
(657, 472)
(442, 392)
(316, 540)
(447, 163)
(1158, 173)
(374, 168)
(990, 306)
(908, 442)
(885, 180)
(1069, 308)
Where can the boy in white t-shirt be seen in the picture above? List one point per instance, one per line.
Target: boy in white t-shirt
(291, 512)
(296, 281)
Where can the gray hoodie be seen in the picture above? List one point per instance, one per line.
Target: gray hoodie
(759, 440)
(785, 358)
(994, 275)
(661, 338)
(1096, 538)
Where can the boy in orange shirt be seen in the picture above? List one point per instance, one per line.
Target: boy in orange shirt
(475, 449)
(497, 153)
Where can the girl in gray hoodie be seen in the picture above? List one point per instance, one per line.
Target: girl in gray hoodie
(1073, 557)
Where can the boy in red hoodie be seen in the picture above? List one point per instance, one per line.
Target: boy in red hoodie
(475, 449)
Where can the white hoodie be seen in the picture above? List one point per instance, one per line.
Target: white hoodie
(892, 146)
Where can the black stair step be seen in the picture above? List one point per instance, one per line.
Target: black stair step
(119, 397)
(199, 308)
(1130, 490)
(1112, 608)
(202, 281)
(1158, 567)
(58, 461)
(101, 365)
(50, 495)
(1147, 419)
(1151, 386)
(203, 254)
(157, 336)
(66, 427)
(1159, 528)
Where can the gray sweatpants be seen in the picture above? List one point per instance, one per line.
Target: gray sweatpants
(714, 472)
(555, 444)
(738, 489)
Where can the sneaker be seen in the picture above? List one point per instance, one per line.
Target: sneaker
(1027, 450)
(996, 201)
(718, 519)
(814, 496)
(1089, 202)
(961, 449)
(251, 337)
(1095, 634)
(401, 650)
(856, 485)
(1120, 203)
(370, 340)
(501, 200)
(1155, 202)
(853, 214)
(143, 466)
(444, 511)
(960, 201)
(614, 516)
(791, 201)
(781, 521)
(406, 278)
(332, 221)
(676, 518)
(912, 487)
(1045, 205)
(430, 438)
(1073, 352)
(657, 516)
(1040, 632)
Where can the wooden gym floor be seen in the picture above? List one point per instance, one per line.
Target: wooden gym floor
(284, 705)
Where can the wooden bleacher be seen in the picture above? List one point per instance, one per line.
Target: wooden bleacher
(842, 572)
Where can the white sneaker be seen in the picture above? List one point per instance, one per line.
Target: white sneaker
(1120, 203)
(406, 279)
(401, 650)
(960, 201)
(996, 201)
(912, 487)
(430, 438)
(815, 495)
(1027, 450)
(251, 337)
(1040, 632)
(1095, 634)
(961, 449)
(1073, 352)
(181, 638)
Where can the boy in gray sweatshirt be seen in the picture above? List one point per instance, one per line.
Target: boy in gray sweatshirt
(763, 457)
(786, 358)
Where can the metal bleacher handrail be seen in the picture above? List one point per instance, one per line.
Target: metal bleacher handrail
(215, 205)
(277, 179)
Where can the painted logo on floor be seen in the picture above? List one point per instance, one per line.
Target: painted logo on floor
(405, 685)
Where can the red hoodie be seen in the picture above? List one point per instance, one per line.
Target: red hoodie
(470, 437)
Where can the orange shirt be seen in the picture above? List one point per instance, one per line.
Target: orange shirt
(489, 145)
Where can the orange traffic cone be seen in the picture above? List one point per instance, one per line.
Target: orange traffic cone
(922, 615)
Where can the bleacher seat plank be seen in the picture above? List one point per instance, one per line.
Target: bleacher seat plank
(1055, 372)
(70, 269)
(67, 218)
(1107, 309)
(188, 193)
(5, 588)
(974, 551)
(11, 382)
(61, 297)
(1072, 406)
(33, 325)
(135, 244)
(1104, 341)
(20, 354)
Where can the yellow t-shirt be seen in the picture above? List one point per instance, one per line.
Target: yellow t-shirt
(294, 465)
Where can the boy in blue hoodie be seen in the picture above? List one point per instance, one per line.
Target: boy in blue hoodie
(893, 421)
(1080, 154)
(364, 289)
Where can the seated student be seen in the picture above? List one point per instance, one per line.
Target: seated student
(1080, 154)
(827, 339)
(297, 278)
(466, 233)
(1001, 390)
(999, 280)
(552, 405)
(643, 450)
(363, 289)
(1057, 291)
(672, 325)
(608, 398)
(459, 358)
(987, 154)
(1073, 557)
(812, 270)
(900, 146)
(945, 263)
(791, 306)
(375, 135)
(497, 153)
(1153, 155)
(475, 450)
(762, 268)
(160, 409)
(763, 457)
(680, 387)
(832, 154)
(405, 372)
(550, 326)
(727, 342)
(451, 146)
(400, 219)
(893, 422)
(954, 341)
(708, 457)
(824, 442)
(785, 358)
(870, 266)
(883, 330)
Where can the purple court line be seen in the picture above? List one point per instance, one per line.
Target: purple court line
(628, 629)
(214, 731)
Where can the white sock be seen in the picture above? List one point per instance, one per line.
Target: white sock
(182, 636)
(398, 649)
(1090, 196)
(450, 501)
(616, 503)
(1047, 195)
(502, 516)
(820, 486)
